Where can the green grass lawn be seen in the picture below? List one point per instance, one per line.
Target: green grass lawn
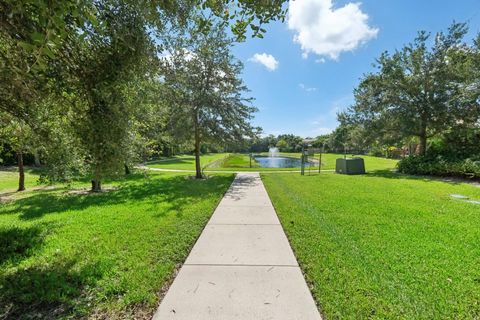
(383, 245)
(186, 162)
(240, 162)
(68, 255)
(9, 179)
(234, 161)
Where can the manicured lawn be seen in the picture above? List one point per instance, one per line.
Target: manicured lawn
(109, 254)
(382, 245)
(224, 161)
(236, 160)
(9, 179)
(186, 162)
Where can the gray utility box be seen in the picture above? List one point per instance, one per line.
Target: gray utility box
(350, 166)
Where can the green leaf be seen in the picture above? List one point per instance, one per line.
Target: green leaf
(38, 37)
(27, 46)
(48, 52)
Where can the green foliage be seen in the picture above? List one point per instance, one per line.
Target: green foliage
(459, 143)
(420, 91)
(97, 58)
(282, 145)
(383, 245)
(208, 101)
(289, 143)
(439, 166)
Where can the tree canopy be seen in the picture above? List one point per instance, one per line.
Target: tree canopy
(420, 91)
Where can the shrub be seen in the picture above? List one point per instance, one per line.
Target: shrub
(439, 166)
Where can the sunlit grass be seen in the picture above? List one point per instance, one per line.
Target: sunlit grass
(383, 245)
(186, 162)
(9, 179)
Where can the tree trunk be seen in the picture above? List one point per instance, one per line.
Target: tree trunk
(423, 136)
(21, 171)
(422, 149)
(96, 185)
(127, 169)
(96, 182)
(198, 168)
(36, 156)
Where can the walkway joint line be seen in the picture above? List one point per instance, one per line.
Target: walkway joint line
(242, 265)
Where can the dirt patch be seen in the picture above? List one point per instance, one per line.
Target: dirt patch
(15, 195)
(87, 191)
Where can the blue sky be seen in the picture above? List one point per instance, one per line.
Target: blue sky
(337, 42)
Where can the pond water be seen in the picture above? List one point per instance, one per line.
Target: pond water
(279, 162)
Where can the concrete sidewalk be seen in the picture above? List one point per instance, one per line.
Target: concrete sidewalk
(242, 266)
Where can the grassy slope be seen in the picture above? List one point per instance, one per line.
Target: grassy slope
(383, 245)
(109, 253)
(186, 162)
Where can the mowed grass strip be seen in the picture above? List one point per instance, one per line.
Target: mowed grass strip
(76, 255)
(383, 245)
(237, 160)
(186, 162)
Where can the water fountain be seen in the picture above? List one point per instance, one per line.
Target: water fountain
(273, 152)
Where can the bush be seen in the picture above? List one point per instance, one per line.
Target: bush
(439, 166)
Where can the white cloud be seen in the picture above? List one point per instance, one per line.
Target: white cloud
(327, 31)
(307, 89)
(267, 60)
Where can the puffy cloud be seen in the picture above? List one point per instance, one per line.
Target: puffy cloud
(267, 60)
(327, 31)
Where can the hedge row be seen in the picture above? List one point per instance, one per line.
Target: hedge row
(424, 165)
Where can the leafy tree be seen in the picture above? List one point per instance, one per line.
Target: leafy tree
(109, 64)
(420, 91)
(282, 145)
(19, 136)
(207, 90)
(93, 51)
(294, 143)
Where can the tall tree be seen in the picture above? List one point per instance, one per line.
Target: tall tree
(19, 136)
(109, 63)
(204, 79)
(419, 91)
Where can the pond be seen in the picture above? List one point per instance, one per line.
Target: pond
(279, 162)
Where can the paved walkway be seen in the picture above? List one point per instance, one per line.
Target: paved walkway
(242, 266)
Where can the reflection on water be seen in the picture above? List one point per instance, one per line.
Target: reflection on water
(279, 162)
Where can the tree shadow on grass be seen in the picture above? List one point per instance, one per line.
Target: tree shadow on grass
(175, 191)
(63, 286)
(46, 291)
(18, 243)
